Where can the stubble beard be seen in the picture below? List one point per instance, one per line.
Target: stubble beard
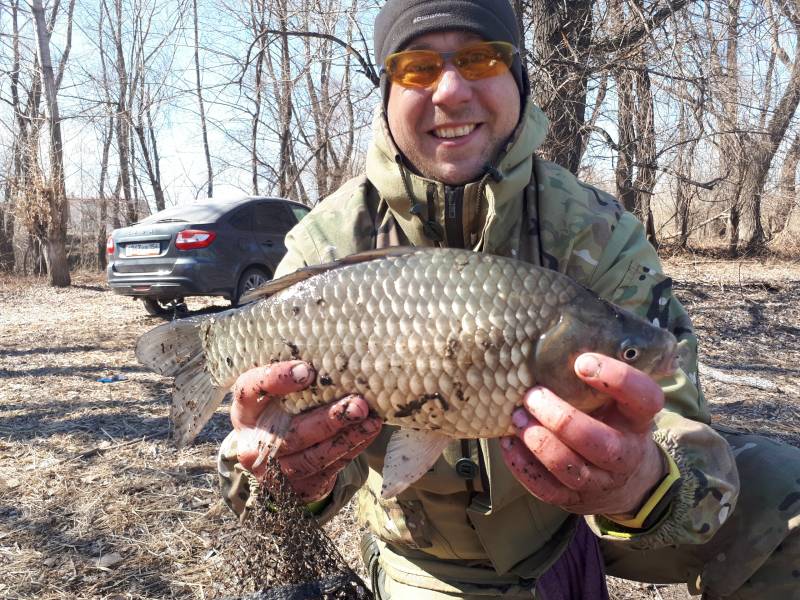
(472, 170)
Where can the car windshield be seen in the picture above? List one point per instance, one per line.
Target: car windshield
(206, 212)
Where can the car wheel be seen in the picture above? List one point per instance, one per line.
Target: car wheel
(157, 307)
(250, 280)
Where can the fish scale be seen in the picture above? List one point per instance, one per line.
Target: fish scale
(417, 359)
(440, 341)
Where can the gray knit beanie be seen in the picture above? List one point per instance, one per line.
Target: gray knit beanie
(399, 21)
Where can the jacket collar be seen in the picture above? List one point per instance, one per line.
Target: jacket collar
(491, 205)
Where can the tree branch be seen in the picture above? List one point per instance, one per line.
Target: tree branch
(366, 64)
(632, 36)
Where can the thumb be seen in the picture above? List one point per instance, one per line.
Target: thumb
(255, 386)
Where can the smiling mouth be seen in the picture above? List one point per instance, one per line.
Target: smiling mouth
(449, 133)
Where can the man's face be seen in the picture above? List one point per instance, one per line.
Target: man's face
(450, 130)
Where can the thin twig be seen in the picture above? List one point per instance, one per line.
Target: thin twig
(747, 380)
(95, 450)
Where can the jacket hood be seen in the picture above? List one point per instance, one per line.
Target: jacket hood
(490, 206)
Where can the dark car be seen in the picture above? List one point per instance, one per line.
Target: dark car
(210, 248)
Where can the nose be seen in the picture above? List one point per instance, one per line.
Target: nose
(451, 89)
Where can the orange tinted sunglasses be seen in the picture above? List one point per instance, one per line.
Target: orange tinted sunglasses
(422, 68)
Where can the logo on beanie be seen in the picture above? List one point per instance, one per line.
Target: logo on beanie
(429, 17)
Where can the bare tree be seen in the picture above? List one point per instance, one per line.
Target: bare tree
(332, 98)
(199, 91)
(787, 187)
(308, 106)
(122, 122)
(7, 229)
(559, 66)
(283, 82)
(575, 43)
(107, 134)
(752, 120)
(54, 194)
(148, 145)
(773, 134)
(25, 105)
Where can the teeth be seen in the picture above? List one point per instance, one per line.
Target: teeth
(453, 132)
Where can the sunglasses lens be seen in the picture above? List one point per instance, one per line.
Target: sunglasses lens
(421, 68)
(414, 68)
(484, 60)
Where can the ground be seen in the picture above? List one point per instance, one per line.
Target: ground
(96, 502)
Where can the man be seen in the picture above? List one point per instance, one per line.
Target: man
(452, 164)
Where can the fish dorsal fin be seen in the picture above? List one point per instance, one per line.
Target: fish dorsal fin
(409, 455)
(276, 285)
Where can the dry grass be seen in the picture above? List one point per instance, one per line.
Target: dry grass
(95, 502)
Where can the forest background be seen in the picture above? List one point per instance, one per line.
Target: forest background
(113, 109)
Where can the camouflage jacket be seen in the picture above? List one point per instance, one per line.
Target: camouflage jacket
(446, 525)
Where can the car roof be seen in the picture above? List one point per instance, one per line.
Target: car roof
(209, 209)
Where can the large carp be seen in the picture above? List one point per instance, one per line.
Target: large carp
(440, 342)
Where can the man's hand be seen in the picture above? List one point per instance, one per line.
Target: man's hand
(319, 443)
(606, 463)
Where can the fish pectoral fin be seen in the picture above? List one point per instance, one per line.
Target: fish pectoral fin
(269, 432)
(409, 455)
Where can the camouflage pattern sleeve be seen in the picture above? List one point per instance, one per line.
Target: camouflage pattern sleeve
(634, 279)
(341, 224)
(629, 274)
(294, 258)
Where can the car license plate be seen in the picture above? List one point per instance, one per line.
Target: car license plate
(151, 249)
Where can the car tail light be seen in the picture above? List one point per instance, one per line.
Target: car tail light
(189, 239)
(110, 245)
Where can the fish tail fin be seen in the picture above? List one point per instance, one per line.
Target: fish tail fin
(175, 349)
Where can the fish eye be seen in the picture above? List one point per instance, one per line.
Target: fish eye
(630, 353)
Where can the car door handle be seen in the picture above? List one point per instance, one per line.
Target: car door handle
(267, 243)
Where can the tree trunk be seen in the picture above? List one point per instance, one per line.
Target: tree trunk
(788, 240)
(761, 162)
(285, 106)
(733, 140)
(7, 234)
(561, 39)
(116, 223)
(108, 136)
(55, 196)
(318, 90)
(645, 153)
(791, 231)
(626, 136)
(102, 217)
(150, 162)
(123, 114)
(684, 168)
(787, 188)
(199, 90)
(258, 25)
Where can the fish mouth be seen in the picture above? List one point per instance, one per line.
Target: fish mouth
(666, 367)
(668, 364)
